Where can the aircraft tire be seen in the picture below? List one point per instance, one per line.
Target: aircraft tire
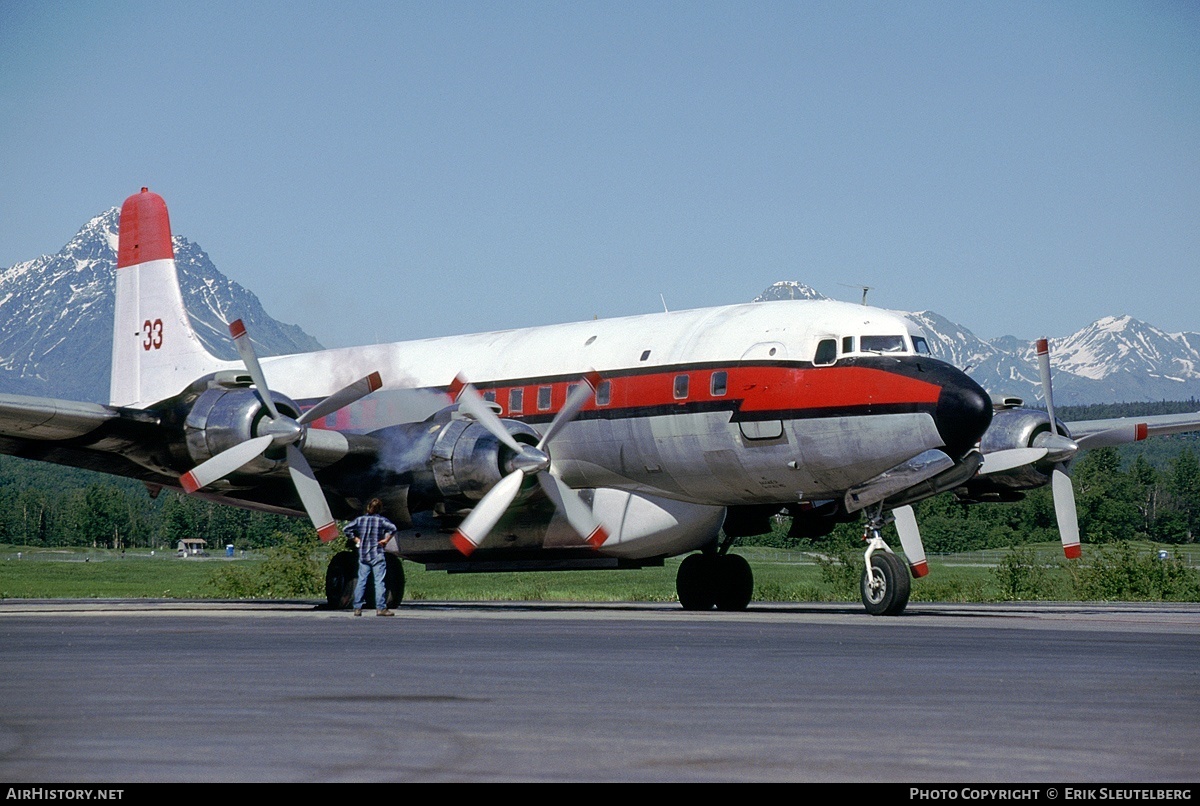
(342, 574)
(696, 582)
(339, 580)
(393, 581)
(892, 597)
(734, 580)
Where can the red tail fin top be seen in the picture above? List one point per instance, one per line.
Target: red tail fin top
(145, 230)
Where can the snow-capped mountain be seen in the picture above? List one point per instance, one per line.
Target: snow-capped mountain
(57, 313)
(1116, 359)
(789, 289)
(57, 333)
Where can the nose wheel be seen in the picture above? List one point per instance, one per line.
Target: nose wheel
(885, 583)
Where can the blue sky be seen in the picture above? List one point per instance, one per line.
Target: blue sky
(382, 171)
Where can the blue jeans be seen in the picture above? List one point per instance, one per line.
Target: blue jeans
(360, 586)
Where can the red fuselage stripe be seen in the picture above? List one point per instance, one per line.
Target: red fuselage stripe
(753, 390)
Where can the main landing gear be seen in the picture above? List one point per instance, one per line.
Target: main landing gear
(885, 584)
(342, 573)
(714, 578)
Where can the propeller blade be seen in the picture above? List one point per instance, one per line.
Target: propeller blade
(577, 512)
(910, 540)
(241, 340)
(311, 494)
(224, 463)
(342, 398)
(487, 513)
(1043, 357)
(470, 401)
(999, 461)
(1060, 482)
(579, 395)
(1064, 512)
(1122, 435)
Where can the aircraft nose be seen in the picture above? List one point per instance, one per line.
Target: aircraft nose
(964, 411)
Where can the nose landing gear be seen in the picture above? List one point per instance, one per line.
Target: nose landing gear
(885, 584)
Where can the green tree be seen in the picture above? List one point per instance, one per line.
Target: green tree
(1179, 518)
(1105, 498)
(101, 516)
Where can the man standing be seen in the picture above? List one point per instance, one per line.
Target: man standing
(371, 532)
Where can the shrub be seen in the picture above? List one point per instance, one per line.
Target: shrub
(1120, 573)
(294, 568)
(1021, 575)
(843, 573)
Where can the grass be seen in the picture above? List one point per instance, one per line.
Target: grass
(780, 575)
(100, 574)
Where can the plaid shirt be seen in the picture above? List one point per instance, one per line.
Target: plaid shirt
(369, 530)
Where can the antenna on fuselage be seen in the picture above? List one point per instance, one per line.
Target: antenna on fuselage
(664, 302)
(865, 289)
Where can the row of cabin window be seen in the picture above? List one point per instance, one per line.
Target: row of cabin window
(718, 385)
(826, 355)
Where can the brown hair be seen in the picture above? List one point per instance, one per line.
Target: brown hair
(374, 506)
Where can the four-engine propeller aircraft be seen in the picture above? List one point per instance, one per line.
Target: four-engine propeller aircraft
(600, 444)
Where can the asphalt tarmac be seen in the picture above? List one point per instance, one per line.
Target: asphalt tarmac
(164, 691)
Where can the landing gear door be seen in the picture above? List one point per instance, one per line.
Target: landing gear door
(760, 354)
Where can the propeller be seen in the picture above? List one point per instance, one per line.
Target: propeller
(529, 461)
(910, 540)
(1000, 461)
(280, 429)
(1060, 450)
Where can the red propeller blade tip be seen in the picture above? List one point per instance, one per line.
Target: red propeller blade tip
(237, 329)
(374, 381)
(1043, 346)
(597, 537)
(920, 569)
(464, 546)
(1072, 552)
(593, 379)
(456, 387)
(189, 483)
(327, 532)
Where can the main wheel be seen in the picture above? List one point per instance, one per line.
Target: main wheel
(889, 595)
(696, 582)
(393, 580)
(734, 580)
(342, 574)
(339, 580)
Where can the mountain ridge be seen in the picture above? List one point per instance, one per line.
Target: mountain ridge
(1116, 359)
(58, 312)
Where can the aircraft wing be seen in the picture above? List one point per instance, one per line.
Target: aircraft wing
(43, 418)
(1121, 430)
(85, 435)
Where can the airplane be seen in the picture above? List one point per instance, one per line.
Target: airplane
(612, 443)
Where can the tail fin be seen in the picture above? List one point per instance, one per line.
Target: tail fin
(155, 351)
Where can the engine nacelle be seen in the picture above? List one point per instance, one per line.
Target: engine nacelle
(467, 460)
(1018, 428)
(222, 418)
(447, 458)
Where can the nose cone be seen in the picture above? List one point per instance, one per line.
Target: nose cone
(964, 411)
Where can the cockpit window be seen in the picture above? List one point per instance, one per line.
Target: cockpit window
(826, 352)
(920, 345)
(882, 344)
